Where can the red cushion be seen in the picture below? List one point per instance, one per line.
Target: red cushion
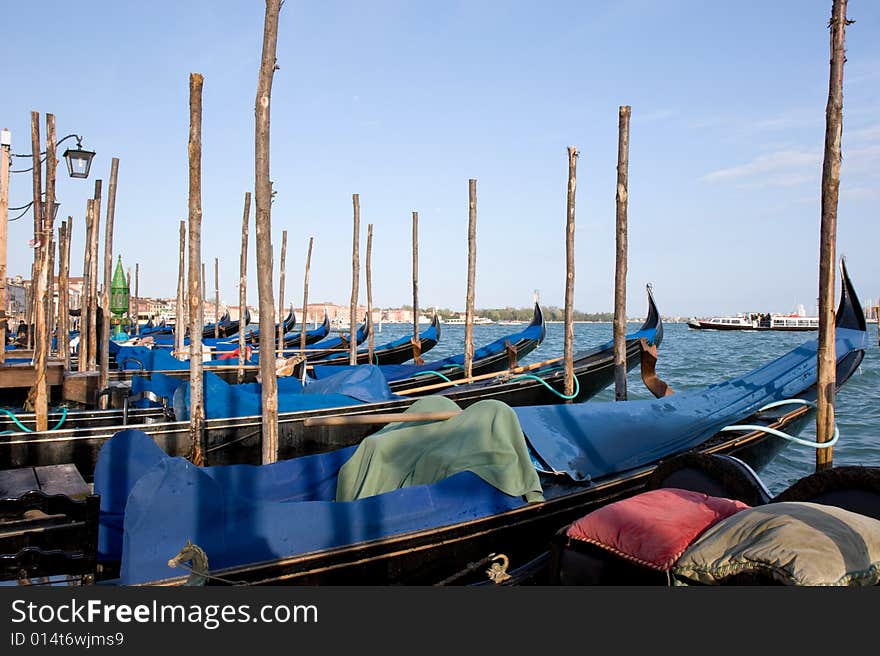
(653, 528)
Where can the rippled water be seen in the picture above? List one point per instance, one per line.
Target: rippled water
(692, 358)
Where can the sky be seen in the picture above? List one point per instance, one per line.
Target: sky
(403, 102)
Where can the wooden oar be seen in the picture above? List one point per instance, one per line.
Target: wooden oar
(464, 381)
(387, 418)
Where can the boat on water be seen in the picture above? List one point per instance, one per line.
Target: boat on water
(757, 321)
(461, 321)
(332, 518)
(232, 428)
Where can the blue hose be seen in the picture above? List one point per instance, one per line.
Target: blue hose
(577, 386)
(25, 428)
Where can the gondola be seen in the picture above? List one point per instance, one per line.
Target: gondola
(253, 336)
(327, 347)
(278, 524)
(503, 353)
(397, 351)
(237, 440)
(292, 338)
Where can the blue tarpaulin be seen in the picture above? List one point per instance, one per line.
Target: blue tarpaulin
(586, 440)
(362, 384)
(151, 504)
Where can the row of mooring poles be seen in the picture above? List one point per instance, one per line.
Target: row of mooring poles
(830, 188)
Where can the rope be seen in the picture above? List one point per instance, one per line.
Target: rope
(577, 386)
(786, 436)
(25, 428)
(209, 576)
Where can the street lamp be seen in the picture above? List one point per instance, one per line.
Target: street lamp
(79, 161)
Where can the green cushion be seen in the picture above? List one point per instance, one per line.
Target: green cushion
(794, 543)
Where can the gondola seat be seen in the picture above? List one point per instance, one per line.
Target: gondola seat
(853, 488)
(715, 475)
(789, 543)
(636, 540)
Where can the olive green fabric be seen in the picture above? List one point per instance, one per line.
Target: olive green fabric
(795, 543)
(485, 439)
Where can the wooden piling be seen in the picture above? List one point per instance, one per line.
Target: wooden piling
(281, 276)
(50, 293)
(29, 309)
(137, 298)
(472, 266)
(37, 183)
(216, 297)
(93, 280)
(826, 355)
(263, 202)
(304, 327)
(621, 199)
(196, 297)
(179, 312)
(64, 233)
(104, 377)
(204, 288)
(355, 275)
(370, 339)
(416, 342)
(83, 350)
(128, 284)
(242, 285)
(38, 395)
(568, 344)
(4, 237)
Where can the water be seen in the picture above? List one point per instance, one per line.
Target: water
(692, 358)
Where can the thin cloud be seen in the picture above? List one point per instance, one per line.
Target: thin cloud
(870, 133)
(786, 167)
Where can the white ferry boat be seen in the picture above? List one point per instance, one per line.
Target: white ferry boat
(757, 321)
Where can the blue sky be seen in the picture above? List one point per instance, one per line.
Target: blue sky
(402, 102)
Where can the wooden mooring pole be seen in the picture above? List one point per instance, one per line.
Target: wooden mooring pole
(137, 298)
(38, 397)
(282, 272)
(216, 297)
(302, 332)
(263, 202)
(568, 344)
(64, 232)
(179, 312)
(5, 147)
(242, 285)
(471, 273)
(355, 276)
(826, 355)
(37, 181)
(370, 339)
(93, 279)
(196, 297)
(621, 199)
(416, 342)
(50, 292)
(104, 376)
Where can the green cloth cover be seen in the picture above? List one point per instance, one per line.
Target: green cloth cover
(485, 439)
